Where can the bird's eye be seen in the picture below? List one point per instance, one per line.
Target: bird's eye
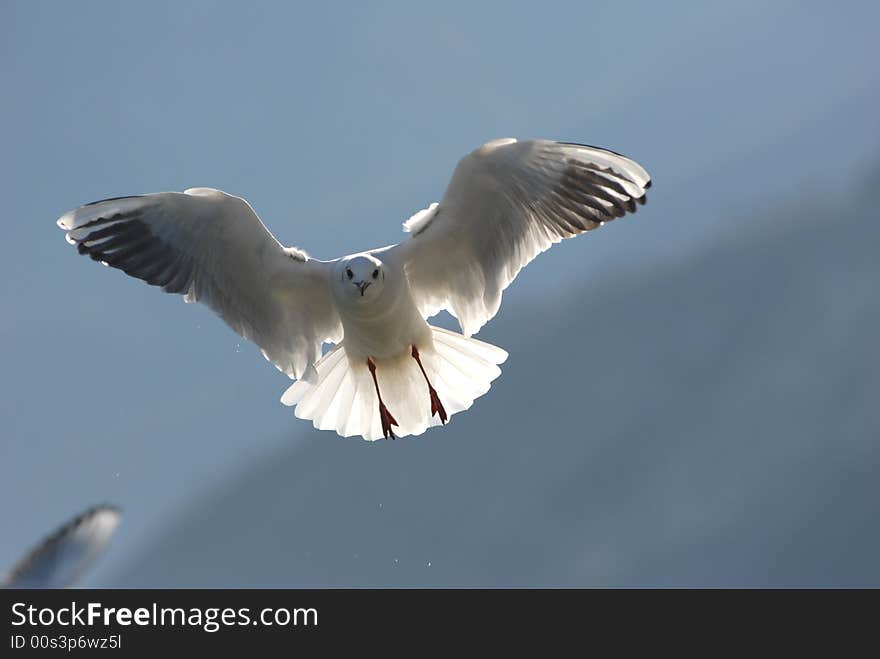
(375, 273)
(349, 273)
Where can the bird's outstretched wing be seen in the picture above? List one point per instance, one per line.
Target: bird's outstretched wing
(62, 558)
(507, 202)
(211, 247)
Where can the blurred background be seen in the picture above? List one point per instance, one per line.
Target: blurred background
(691, 396)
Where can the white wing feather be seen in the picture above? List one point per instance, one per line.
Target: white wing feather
(211, 247)
(507, 202)
(62, 558)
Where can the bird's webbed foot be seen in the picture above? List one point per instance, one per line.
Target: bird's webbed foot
(436, 405)
(387, 421)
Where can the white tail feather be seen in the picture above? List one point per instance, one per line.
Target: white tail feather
(343, 398)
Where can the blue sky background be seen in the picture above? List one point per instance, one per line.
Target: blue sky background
(337, 122)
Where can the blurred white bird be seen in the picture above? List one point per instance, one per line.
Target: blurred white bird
(62, 558)
(390, 372)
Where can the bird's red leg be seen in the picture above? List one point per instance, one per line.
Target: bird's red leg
(436, 405)
(384, 414)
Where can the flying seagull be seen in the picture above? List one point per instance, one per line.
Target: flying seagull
(390, 372)
(61, 559)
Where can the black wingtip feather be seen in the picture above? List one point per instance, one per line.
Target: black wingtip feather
(125, 243)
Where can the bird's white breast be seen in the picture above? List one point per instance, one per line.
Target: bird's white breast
(386, 326)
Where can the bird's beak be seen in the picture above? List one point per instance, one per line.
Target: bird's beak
(362, 286)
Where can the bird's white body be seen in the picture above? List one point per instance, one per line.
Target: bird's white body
(383, 325)
(389, 370)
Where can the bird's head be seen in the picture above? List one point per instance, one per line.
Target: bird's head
(361, 278)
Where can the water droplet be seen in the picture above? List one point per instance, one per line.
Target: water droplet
(429, 563)
(237, 347)
(380, 505)
(396, 561)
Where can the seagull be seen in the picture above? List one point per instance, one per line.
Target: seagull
(387, 373)
(61, 559)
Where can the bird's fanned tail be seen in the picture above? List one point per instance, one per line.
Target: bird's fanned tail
(344, 399)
